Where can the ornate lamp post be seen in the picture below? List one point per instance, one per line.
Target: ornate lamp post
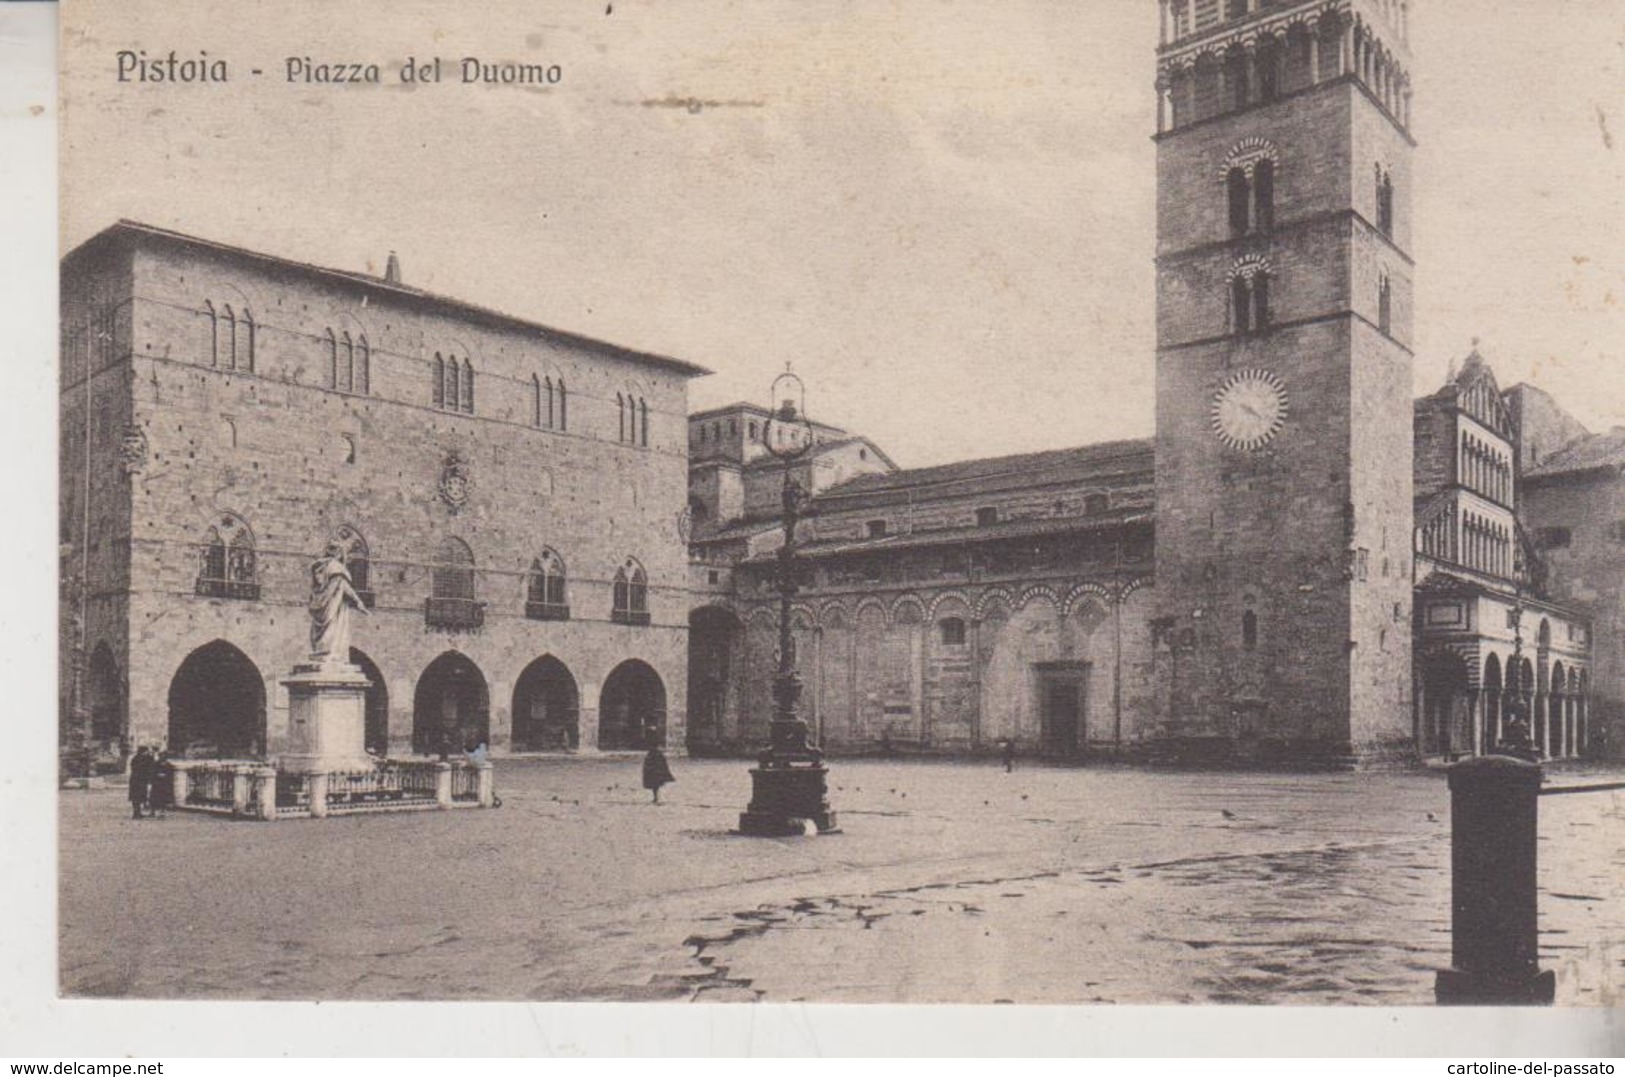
(791, 784)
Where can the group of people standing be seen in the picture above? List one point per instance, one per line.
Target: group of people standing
(152, 783)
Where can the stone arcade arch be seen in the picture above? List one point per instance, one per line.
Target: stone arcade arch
(546, 708)
(1447, 705)
(714, 636)
(451, 708)
(376, 723)
(217, 704)
(632, 708)
(104, 699)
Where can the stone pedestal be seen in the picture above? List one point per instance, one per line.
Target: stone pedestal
(783, 796)
(327, 708)
(1494, 927)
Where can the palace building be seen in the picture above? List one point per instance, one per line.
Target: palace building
(509, 499)
(1301, 565)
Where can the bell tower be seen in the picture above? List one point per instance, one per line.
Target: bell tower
(1283, 447)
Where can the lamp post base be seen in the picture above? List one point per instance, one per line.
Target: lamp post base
(1452, 987)
(784, 798)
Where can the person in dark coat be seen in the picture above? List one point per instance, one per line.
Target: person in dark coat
(161, 798)
(656, 772)
(141, 767)
(1009, 747)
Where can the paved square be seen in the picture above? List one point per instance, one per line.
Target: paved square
(951, 882)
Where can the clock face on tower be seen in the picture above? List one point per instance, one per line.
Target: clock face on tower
(1249, 409)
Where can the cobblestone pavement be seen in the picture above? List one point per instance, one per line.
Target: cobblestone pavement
(951, 882)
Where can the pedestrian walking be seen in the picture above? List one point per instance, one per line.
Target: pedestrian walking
(656, 772)
(161, 796)
(141, 767)
(1009, 750)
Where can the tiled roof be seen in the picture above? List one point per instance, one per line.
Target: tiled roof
(1103, 461)
(1588, 454)
(126, 228)
(1007, 529)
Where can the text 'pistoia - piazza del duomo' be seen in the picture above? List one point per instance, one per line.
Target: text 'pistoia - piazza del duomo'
(1303, 565)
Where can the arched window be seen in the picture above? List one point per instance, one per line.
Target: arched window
(620, 417)
(564, 408)
(631, 601)
(1385, 201)
(1261, 300)
(228, 565)
(1249, 630)
(1240, 196)
(552, 408)
(1385, 312)
(454, 570)
(545, 598)
(453, 382)
(363, 366)
(1241, 304)
(1264, 195)
(1267, 60)
(468, 385)
(346, 364)
(643, 419)
(332, 360)
(439, 380)
(536, 400)
(952, 631)
(451, 603)
(231, 337)
(214, 333)
(753, 436)
(353, 552)
(248, 341)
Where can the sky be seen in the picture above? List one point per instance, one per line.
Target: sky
(941, 213)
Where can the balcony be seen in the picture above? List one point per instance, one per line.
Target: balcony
(247, 590)
(547, 611)
(630, 617)
(456, 614)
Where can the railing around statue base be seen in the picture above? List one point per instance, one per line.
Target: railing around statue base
(258, 791)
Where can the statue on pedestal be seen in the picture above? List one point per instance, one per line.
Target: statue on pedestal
(332, 597)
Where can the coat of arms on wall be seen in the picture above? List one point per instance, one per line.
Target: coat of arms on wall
(132, 451)
(685, 522)
(456, 480)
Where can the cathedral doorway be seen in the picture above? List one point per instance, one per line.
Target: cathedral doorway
(632, 708)
(451, 709)
(376, 722)
(1063, 692)
(713, 645)
(546, 708)
(217, 705)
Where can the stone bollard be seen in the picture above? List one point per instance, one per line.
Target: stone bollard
(242, 788)
(265, 793)
(1493, 929)
(486, 785)
(442, 784)
(182, 787)
(318, 795)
